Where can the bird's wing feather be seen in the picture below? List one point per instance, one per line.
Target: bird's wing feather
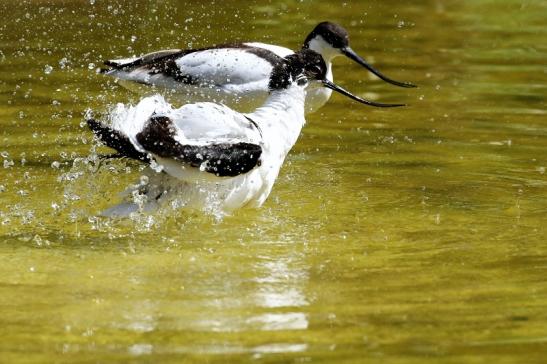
(203, 122)
(220, 66)
(147, 59)
(230, 158)
(223, 66)
(116, 140)
(227, 141)
(278, 50)
(197, 123)
(215, 67)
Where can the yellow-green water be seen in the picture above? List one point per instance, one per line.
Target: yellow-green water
(396, 236)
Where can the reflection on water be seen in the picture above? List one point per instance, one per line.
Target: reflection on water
(409, 235)
(279, 285)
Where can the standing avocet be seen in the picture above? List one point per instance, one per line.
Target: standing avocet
(233, 74)
(206, 155)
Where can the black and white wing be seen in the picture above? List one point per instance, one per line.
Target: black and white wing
(221, 66)
(221, 157)
(202, 137)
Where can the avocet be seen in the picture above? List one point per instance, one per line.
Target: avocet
(236, 75)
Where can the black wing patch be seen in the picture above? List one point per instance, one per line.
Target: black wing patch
(169, 68)
(162, 62)
(116, 140)
(221, 159)
(166, 66)
(147, 59)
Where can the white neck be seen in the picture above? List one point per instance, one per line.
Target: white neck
(321, 46)
(281, 118)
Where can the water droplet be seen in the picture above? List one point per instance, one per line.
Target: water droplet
(63, 62)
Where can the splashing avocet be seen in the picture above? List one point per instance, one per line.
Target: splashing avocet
(207, 155)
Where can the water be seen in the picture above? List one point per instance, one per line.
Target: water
(399, 236)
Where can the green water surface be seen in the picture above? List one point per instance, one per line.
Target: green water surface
(409, 235)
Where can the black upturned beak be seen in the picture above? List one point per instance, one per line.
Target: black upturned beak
(339, 89)
(348, 52)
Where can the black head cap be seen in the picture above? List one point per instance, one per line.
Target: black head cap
(332, 33)
(305, 63)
